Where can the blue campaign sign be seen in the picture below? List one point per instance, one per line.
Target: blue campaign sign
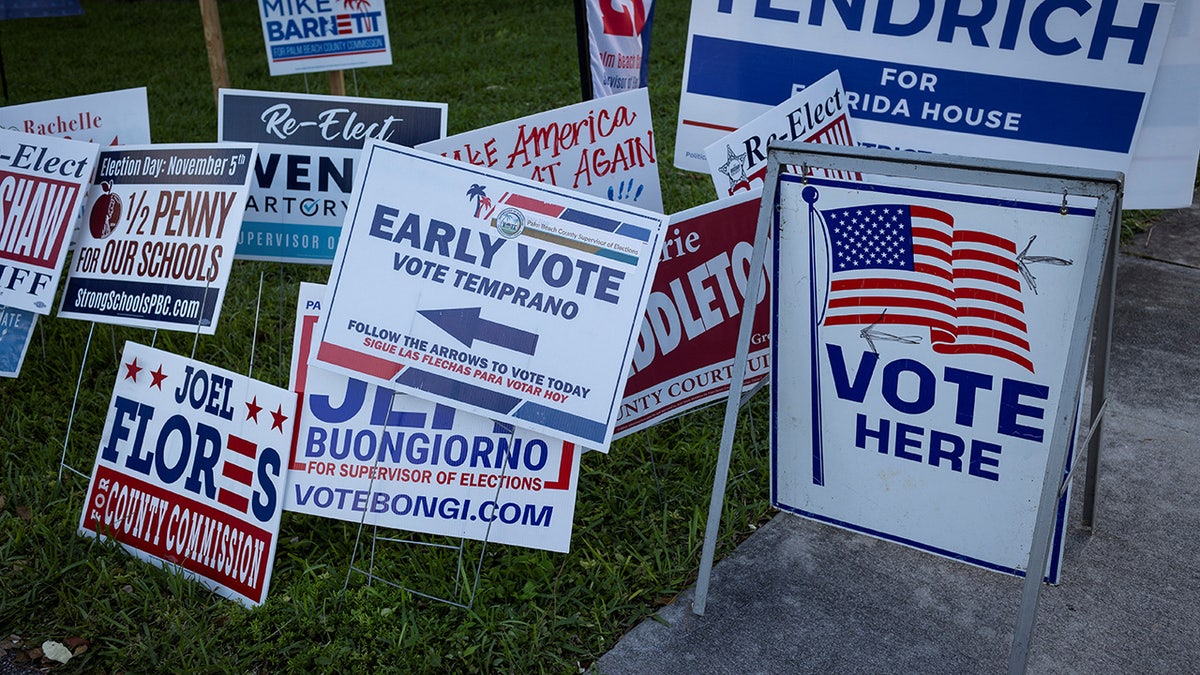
(304, 36)
(1034, 81)
(507, 297)
(308, 147)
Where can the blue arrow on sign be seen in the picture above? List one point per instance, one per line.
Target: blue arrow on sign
(465, 325)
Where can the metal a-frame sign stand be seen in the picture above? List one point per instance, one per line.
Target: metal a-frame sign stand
(1094, 319)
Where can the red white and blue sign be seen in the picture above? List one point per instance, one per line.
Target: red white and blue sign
(162, 225)
(367, 454)
(1052, 82)
(919, 348)
(191, 469)
(619, 44)
(506, 297)
(307, 149)
(305, 36)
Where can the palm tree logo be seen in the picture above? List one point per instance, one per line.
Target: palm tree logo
(477, 193)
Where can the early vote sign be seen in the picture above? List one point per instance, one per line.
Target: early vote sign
(43, 185)
(190, 470)
(506, 297)
(919, 356)
(158, 244)
(367, 454)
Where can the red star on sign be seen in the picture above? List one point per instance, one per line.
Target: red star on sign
(158, 376)
(132, 370)
(278, 419)
(253, 409)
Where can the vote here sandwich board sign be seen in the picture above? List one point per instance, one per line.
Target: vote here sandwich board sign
(507, 297)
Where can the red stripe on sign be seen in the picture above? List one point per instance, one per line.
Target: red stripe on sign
(233, 500)
(564, 469)
(366, 364)
(535, 205)
(237, 474)
(242, 446)
(708, 125)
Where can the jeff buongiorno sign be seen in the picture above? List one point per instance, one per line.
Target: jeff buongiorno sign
(1031, 80)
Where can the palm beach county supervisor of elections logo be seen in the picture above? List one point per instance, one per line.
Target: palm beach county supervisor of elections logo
(190, 470)
(509, 222)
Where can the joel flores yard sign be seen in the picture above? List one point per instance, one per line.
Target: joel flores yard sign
(1058, 82)
(920, 355)
(190, 470)
(512, 299)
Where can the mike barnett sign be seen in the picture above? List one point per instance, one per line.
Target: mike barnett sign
(919, 359)
(603, 147)
(190, 470)
(308, 146)
(162, 223)
(304, 36)
(43, 182)
(499, 295)
(367, 454)
(1038, 80)
(685, 350)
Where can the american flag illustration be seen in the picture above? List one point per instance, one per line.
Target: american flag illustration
(911, 265)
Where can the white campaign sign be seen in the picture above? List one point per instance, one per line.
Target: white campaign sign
(603, 147)
(109, 118)
(1058, 83)
(921, 337)
(366, 454)
(499, 295)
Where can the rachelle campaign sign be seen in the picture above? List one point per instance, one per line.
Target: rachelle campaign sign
(506, 297)
(190, 470)
(109, 118)
(819, 113)
(43, 183)
(304, 36)
(604, 147)
(684, 354)
(162, 224)
(921, 337)
(1064, 83)
(366, 454)
(307, 149)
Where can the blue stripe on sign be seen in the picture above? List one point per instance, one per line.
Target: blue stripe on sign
(1071, 115)
(288, 241)
(452, 389)
(562, 421)
(618, 256)
(634, 232)
(590, 219)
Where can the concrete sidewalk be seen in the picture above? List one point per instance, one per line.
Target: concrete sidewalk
(801, 597)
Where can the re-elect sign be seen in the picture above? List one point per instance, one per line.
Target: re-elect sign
(919, 355)
(367, 454)
(190, 470)
(1063, 83)
(43, 182)
(162, 224)
(503, 296)
(307, 149)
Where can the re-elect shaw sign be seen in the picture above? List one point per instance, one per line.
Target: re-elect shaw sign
(307, 148)
(685, 350)
(509, 298)
(367, 454)
(162, 223)
(919, 356)
(304, 36)
(1034, 80)
(603, 147)
(43, 182)
(190, 470)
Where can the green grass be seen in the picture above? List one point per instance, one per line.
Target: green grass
(639, 524)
